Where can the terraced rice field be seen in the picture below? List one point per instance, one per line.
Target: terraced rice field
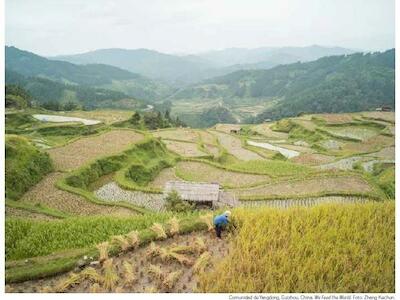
(265, 129)
(284, 151)
(234, 146)
(354, 132)
(182, 134)
(46, 193)
(64, 119)
(369, 165)
(343, 164)
(24, 214)
(373, 144)
(309, 125)
(331, 144)
(336, 118)
(385, 153)
(380, 115)
(206, 173)
(184, 149)
(207, 137)
(213, 150)
(298, 148)
(145, 282)
(312, 159)
(313, 186)
(111, 192)
(107, 116)
(167, 174)
(227, 127)
(307, 202)
(84, 150)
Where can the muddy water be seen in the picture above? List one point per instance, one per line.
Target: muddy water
(62, 119)
(284, 151)
(306, 202)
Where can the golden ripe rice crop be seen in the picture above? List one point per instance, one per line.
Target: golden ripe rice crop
(329, 248)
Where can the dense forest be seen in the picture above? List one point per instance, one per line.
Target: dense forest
(55, 94)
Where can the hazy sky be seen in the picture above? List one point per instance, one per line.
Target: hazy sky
(51, 27)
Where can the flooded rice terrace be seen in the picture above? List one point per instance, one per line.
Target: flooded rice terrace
(285, 152)
(63, 119)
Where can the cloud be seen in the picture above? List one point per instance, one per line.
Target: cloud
(71, 26)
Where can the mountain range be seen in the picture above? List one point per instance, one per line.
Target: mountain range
(263, 83)
(187, 69)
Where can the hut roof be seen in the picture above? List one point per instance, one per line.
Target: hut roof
(190, 191)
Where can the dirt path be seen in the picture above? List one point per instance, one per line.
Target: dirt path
(80, 152)
(186, 281)
(46, 193)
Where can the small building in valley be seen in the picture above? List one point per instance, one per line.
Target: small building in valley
(201, 193)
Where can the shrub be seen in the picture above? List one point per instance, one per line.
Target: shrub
(174, 202)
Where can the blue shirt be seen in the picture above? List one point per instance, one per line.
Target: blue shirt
(221, 220)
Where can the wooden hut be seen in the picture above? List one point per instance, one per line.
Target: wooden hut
(200, 193)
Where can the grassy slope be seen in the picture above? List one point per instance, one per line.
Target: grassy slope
(25, 166)
(330, 248)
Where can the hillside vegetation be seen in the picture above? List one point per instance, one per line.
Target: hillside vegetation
(104, 81)
(25, 165)
(181, 70)
(333, 84)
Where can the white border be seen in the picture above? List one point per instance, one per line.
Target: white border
(192, 296)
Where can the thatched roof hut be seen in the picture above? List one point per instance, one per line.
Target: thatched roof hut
(193, 191)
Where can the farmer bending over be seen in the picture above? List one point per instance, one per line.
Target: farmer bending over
(220, 222)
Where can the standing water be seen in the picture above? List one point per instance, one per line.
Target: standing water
(285, 152)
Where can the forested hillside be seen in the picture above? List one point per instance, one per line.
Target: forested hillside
(344, 83)
(93, 75)
(188, 69)
(54, 95)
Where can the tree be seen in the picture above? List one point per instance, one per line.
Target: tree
(70, 106)
(135, 119)
(153, 120)
(167, 115)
